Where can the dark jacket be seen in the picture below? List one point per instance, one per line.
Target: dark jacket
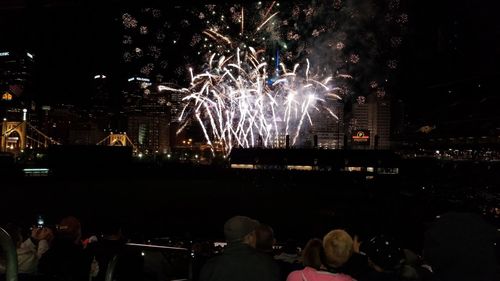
(65, 261)
(129, 262)
(240, 262)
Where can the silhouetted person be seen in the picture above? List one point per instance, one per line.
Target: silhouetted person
(240, 260)
(28, 251)
(66, 260)
(112, 243)
(265, 239)
(202, 252)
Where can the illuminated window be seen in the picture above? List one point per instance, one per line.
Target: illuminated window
(354, 169)
(242, 166)
(299, 167)
(7, 96)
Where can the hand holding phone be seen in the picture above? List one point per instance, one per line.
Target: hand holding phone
(40, 222)
(42, 233)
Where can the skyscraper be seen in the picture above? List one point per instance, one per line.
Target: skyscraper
(373, 117)
(329, 131)
(148, 128)
(16, 69)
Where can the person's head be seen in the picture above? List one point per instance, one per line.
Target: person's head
(338, 248)
(313, 254)
(383, 253)
(70, 228)
(265, 238)
(241, 229)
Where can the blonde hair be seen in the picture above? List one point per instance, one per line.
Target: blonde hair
(338, 247)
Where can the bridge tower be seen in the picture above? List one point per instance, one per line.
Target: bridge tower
(13, 136)
(118, 140)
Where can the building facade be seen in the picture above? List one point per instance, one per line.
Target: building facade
(372, 117)
(148, 127)
(328, 131)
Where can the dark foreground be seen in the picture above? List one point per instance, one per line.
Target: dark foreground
(192, 202)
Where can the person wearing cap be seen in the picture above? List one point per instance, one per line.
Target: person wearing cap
(66, 258)
(240, 261)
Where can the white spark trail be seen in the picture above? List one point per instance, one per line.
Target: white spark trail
(236, 105)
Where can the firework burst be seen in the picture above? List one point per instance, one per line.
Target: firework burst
(237, 104)
(248, 97)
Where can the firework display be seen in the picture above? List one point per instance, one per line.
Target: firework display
(235, 57)
(236, 104)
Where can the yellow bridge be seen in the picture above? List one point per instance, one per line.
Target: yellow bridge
(20, 135)
(118, 140)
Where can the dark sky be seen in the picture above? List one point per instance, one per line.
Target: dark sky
(451, 61)
(449, 45)
(71, 41)
(451, 41)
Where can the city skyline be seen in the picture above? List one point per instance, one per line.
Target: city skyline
(169, 116)
(441, 60)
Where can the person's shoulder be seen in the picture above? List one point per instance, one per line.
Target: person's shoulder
(328, 276)
(343, 277)
(210, 267)
(265, 258)
(295, 275)
(213, 260)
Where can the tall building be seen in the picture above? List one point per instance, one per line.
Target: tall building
(148, 128)
(371, 124)
(328, 130)
(136, 91)
(148, 115)
(16, 68)
(101, 97)
(382, 126)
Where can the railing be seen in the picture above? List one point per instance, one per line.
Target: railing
(166, 263)
(9, 249)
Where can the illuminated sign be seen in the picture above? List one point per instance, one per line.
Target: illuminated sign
(4, 54)
(361, 137)
(7, 96)
(138, 79)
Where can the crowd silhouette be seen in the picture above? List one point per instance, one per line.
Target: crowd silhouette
(456, 246)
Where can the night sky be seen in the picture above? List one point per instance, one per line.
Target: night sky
(449, 54)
